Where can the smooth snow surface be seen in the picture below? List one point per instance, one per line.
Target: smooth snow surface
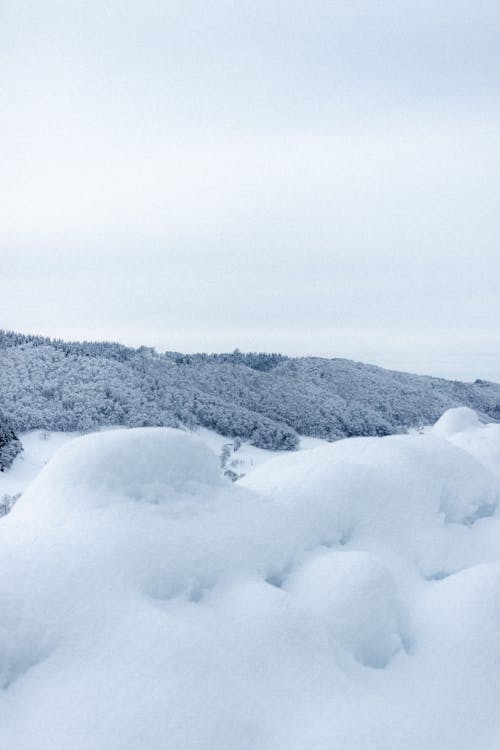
(38, 447)
(342, 598)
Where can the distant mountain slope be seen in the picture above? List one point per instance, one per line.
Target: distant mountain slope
(267, 399)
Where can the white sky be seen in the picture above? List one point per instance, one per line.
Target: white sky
(309, 177)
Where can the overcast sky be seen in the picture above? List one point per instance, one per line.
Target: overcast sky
(308, 177)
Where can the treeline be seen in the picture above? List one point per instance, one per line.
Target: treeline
(267, 399)
(10, 445)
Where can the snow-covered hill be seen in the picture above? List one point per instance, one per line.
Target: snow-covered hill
(346, 596)
(266, 399)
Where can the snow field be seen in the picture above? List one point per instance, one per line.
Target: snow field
(343, 597)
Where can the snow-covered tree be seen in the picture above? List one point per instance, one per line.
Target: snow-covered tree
(10, 445)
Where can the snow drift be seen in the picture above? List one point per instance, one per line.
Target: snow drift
(344, 597)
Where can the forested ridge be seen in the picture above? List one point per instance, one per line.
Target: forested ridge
(268, 399)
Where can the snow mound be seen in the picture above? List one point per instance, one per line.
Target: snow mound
(153, 465)
(390, 494)
(480, 440)
(455, 420)
(354, 595)
(343, 597)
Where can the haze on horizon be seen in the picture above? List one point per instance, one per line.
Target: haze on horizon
(317, 178)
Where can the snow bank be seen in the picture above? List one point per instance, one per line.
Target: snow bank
(462, 427)
(455, 421)
(354, 595)
(153, 465)
(343, 597)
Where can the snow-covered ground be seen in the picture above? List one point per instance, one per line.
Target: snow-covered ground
(345, 597)
(40, 445)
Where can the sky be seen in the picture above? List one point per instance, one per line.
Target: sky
(316, 178)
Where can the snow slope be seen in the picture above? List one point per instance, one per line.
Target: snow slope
(343, 597)
(40, 445)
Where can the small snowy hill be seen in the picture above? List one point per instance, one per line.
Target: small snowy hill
(346, 596)
(235, 458)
